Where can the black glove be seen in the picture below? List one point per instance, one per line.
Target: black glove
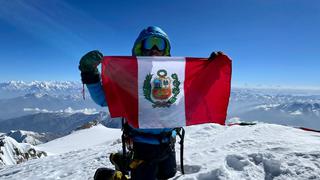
(88, 67)
(215, 54)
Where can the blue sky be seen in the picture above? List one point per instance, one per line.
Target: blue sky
(272, 43)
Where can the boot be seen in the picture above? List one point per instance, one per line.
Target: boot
(104, 174)
(119, 161)
(109, 174)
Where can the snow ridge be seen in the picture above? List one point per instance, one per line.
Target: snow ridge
(12, 152)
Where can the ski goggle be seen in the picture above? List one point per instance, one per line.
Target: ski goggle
(154, 41)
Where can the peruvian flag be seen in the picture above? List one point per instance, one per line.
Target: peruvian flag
(167, 92)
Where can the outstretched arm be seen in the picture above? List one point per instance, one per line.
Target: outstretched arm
(97, 94)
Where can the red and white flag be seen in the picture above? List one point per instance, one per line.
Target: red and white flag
(167, 92)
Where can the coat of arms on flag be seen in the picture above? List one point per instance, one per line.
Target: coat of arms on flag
(167, 92)
(161, 91)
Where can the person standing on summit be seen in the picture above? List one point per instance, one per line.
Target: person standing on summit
(153, 149)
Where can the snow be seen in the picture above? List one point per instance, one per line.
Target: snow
(267, 107)
(29, 137)
(262, 151)
(255, 152)
(8, 150)
(297, 112)
(81, 139)
(233, 120)
(38, 89)
(13, 152)
(47, 85)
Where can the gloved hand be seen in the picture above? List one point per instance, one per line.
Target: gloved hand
(88, 67)
(215, 54)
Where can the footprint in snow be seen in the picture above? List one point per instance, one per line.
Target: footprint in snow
(190, 169)
(236, 162)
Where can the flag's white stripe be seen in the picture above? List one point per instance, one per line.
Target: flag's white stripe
(150, 117)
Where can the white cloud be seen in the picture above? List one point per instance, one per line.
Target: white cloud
(68, 110)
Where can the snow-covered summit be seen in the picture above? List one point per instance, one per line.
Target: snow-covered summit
(81, 139)
(260, 152)
(30, 137)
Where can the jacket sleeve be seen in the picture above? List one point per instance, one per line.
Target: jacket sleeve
(97, 94)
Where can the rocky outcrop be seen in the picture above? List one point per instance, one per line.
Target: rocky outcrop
(12, 152)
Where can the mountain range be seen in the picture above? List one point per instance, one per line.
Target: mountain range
(12, 89)
(291, 107)
(51, 118)
(281, 107)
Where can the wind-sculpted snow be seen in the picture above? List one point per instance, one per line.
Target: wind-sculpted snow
(260, 152)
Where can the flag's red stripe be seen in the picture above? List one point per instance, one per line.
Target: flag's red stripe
(119, 76)
(207, 90)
